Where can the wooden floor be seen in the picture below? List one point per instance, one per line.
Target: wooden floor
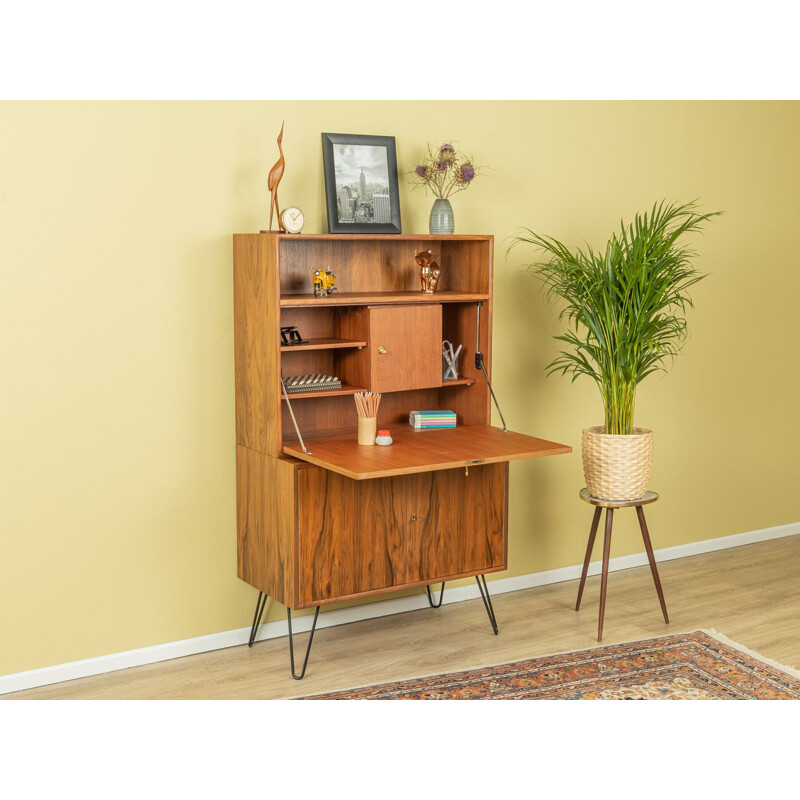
(751, 594)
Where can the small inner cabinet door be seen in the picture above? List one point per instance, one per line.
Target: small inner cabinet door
(406, 347)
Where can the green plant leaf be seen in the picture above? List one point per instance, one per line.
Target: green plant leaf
(624, 306)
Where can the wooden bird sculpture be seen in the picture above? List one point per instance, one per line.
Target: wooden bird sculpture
(275, 175)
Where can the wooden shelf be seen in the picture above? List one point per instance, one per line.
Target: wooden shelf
(322, 344)
(421, 451)
(374, 298)
(458, 382)
(377, 237)
(345, 390)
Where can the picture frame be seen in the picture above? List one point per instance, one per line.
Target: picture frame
(361, 187)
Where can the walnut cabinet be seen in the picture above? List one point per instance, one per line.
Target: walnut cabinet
(320, 518)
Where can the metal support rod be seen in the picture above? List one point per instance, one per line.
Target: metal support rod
(294, 421)
(496, 404)
(478, 334)
(487, 601)
(291, 643)
(479, 364)
(430, 598)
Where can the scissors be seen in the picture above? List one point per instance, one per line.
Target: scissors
(450, 357)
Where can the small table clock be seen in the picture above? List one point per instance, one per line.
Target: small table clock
(292, 220)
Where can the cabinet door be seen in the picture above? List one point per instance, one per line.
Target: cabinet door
(350, 535)
(366, 537)
(406, 347)
(457, 523)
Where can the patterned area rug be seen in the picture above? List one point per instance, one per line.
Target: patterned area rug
(691, 666)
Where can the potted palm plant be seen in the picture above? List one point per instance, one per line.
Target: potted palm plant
(624, 312)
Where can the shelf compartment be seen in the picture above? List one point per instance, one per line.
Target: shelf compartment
(375, 298)
(322, 344)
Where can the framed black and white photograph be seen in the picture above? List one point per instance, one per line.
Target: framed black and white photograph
(361, 183)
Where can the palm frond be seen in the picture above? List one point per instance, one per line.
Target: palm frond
(623, 307)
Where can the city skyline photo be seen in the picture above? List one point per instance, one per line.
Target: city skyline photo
(361, 183)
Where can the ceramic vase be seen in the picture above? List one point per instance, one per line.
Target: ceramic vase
(441, 220)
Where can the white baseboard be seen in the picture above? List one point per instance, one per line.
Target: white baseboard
(217, 641)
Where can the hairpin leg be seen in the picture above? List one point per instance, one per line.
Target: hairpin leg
(430, 598)
(260, 603)
(291, 643)
(487, 601)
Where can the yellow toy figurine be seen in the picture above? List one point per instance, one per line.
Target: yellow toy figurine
(324, 282)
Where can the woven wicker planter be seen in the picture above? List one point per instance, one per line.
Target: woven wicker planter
(617, 467)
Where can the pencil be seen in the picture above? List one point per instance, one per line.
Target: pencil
(367, 403)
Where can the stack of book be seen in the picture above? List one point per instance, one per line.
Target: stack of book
(311, 383)
(427, 420)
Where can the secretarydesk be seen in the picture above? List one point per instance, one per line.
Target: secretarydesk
(321, 518)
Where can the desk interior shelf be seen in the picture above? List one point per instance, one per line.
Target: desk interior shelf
(321, 344)
(383, 298)
(458, 382)
(345, 391)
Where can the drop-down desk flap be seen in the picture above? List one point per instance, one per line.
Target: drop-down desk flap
(421, 451)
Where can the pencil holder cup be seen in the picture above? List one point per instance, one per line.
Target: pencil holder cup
(367, 429)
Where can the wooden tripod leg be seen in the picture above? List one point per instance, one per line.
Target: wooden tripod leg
(651, 558)
(589, 548)
(604, 578)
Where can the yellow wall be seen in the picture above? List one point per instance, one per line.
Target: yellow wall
(117, 513)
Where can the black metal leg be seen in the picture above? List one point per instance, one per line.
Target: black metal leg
(260, 603)
(487, 601)
(430, 598)
(291, 643)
